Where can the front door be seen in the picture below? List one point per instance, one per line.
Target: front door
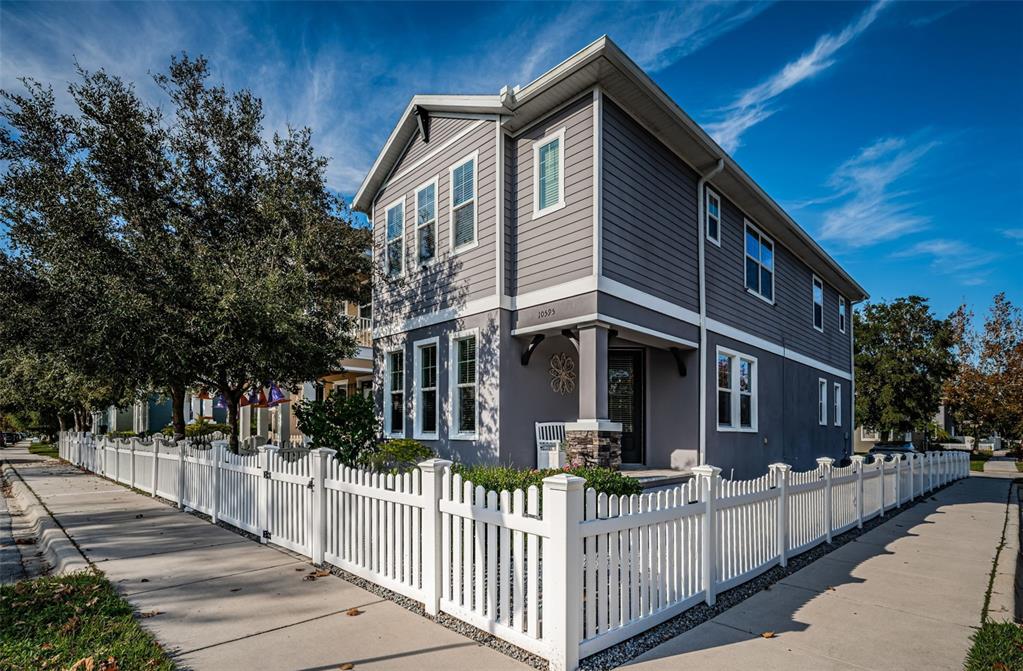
(625, 385)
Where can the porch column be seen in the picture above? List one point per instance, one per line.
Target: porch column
(284, 424)
(262, 425)
(244, 423)
(593, 440)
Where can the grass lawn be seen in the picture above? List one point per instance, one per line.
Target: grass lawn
(45, 449)
(997, 646)
(977, 460)
(57, 622)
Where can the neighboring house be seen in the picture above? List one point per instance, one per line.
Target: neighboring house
(551, 254)
(943, 419)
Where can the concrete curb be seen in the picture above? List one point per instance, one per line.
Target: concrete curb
(58, 549)
(1003, 606)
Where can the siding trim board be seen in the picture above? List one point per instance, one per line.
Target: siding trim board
(427, 157)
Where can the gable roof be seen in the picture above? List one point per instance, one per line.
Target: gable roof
(603, 63)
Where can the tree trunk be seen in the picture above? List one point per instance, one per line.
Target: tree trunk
(177, 393)
(232, 420)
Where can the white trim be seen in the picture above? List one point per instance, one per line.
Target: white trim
(417, 389)
(767, 346)
(822, 401)
(837, 403)
(582, 285)
(475, 158)
(435, 183)
(388, 392)
(814, 283)
(453, 338)
(500, 206)
(736, 394)
(763, 236)
(355, 369)
(598, 317)
(711, 193)
(843, 310)
(649, 301)
(559, 137)
(598, 181)
(546, 326)
(422, 160)
(387, 243)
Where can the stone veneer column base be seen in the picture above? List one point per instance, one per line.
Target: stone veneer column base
(594, 443)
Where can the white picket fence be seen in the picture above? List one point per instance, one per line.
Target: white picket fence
(562, 575)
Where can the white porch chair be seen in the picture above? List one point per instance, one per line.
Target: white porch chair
(549, 439)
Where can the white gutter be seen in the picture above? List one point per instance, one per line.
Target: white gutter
(701, 233)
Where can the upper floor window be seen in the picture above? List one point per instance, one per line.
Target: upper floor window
(465, 385)
(838, 404)
(463, 204)
(737, 391)
(759, 263)
(713, 215)
(394, 252)
(549, 174)
(426, 389)
(394, 401)
(822, 401)
(818, 303)
(426, 221)
(841, 313)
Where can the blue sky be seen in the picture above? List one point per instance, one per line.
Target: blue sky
(891, 131)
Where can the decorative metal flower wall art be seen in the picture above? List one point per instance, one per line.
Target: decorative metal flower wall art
(562, 373)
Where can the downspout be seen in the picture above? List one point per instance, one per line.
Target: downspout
(701, 235)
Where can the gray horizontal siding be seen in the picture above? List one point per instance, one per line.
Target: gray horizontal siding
(557, 247)
(453, 279)
(649, 213)
(789, 321)
(441, 130)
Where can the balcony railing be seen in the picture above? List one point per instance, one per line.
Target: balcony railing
(364, 335)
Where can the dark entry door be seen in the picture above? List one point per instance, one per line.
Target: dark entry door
(625, 385)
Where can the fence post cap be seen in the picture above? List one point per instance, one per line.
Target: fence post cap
(431, 465)
(324, 451)
(564, 482)
(779, 467)
(858, 458)
(825, 462)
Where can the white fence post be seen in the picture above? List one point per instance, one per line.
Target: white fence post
(912, 476)
(880, 459)
(898, 480)
(131, 461)
(215, 457)
(155, 479)
(181, 473)
(432, 472)
(857, 460)
(781, 481)
(263, 494)
(321, 457)
(708, 478)
(562, 579)
(826, 464)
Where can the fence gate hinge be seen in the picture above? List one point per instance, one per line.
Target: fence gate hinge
(266, 534)
(310, 485)
(266, 475)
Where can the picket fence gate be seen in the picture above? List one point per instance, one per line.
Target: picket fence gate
(561, 571)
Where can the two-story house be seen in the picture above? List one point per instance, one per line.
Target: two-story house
(579, 250)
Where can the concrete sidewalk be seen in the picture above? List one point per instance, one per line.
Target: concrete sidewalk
(905, 595)
(1001, 465)
(225, 602)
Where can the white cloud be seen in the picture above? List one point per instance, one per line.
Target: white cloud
(1015, 234)
(871, 209)
(960, 260)
(753, 105)
(928, 19)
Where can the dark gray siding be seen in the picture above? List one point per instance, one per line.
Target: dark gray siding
(789, 321)
(788, 430)
(441, 130)
(453, 279)
(557, 247)
(649, 212)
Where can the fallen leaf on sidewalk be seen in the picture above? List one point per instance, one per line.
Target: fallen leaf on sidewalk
(321, 573)
(300, 569)
(347, 666)
(237, 589)
(144, 580)
(352, 612)
(309, 577)
(151, 613)
(767, 634)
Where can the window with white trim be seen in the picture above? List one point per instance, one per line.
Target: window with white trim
(394, 411)
(426, 389)
(549, 173)
(464, 385)
(837, 410)
(426, 222)
(759, 263)
(737, 391)
(713, 216)
(818, 303)
(463, 204)
(822, 401)
(394, 252)
(869, 436)
(841, 313)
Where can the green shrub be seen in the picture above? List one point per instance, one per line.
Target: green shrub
(399, 455)
(996, 645)
(497, 478)
(345, 424)
(198, 429)
(121, 434)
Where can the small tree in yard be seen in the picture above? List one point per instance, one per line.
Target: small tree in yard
(346, 424)
(903, 356)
